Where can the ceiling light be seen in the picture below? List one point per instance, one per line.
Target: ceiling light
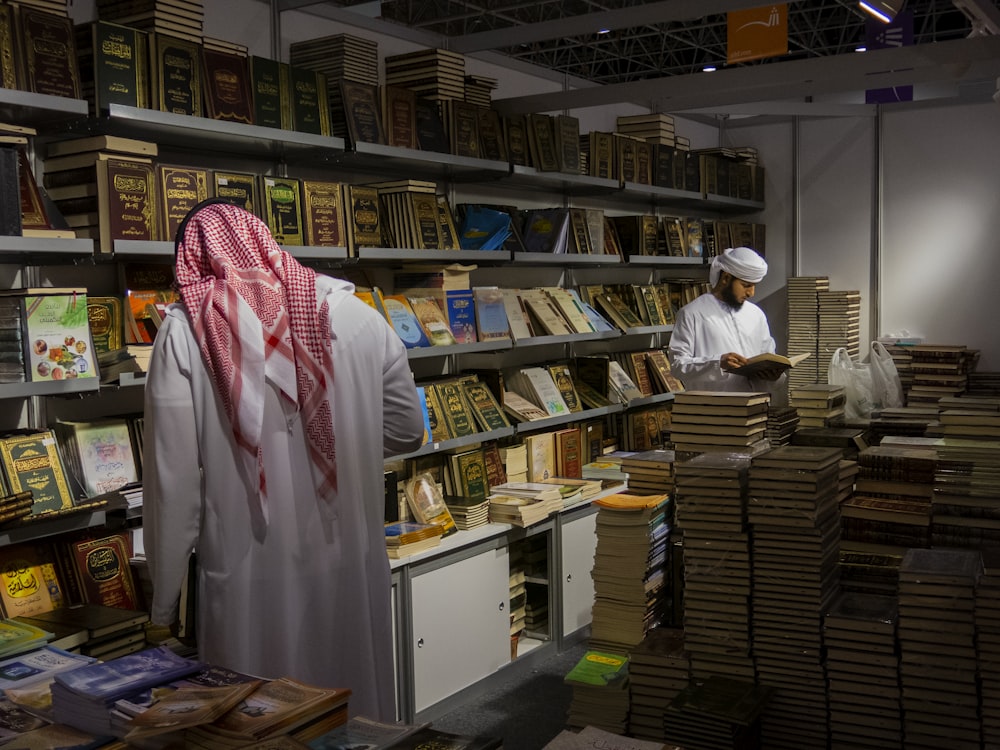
(604, 31)
(883, 10)
(862, 48)
(708, 69)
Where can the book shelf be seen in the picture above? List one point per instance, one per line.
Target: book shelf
(479, 554)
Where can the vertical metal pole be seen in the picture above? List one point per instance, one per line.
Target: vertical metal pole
(875, 257)
(796, 254)
(275, 30)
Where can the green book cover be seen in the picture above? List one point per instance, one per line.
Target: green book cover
(120, 61)
(265, 76)
(600, 668)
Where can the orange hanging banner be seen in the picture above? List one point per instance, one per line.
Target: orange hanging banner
(757, 33)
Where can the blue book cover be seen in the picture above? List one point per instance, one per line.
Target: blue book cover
(107, 681)
(484, 229)
(404, 322)
(461, 309)
(491, 317)
(422, 395)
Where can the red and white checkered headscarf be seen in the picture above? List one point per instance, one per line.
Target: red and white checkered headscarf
(254, 312)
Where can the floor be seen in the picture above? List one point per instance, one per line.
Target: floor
(526, 711)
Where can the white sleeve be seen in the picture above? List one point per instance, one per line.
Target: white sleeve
(403, 421)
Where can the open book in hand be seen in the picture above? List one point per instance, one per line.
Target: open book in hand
(767, 362)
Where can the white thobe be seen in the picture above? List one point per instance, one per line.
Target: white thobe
(704, 330)
(306, 596)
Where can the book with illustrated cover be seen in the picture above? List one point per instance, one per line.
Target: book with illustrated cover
(433, 320)
(99, 453)
(547, 231)
(404, 321)
(108, 681)
(24, 670)
(563, 379)
(29, 580)
(188, 707)
(31, 461)
(491, 314)
(56, 333)
(424, 497)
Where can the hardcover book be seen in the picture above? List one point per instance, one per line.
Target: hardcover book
(487, 411)
(175, 75)
(769, 361)
(33, 213)
(179, 189)
(115, 59)
(602, 155)
(283, 209)
(307, 92)
(431, 135)
(516, 136)
(362, 111)
(363, 221)
(461, 311)
(31, 462)
(542, 143)
(324, 213)
(47, 43)
(271, 108)
(9, 63)
(399, 116)
(491, 138)
(227, 86)
(239, 188)
(456, 410)
(10, 183)
(569, 457)
(99, 453)
(463, 128)
(567, 137)
(101, 569)
(126, 191)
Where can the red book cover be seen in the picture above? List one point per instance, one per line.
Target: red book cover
(104, 570)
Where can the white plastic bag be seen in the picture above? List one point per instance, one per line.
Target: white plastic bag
(887, 390)
(856, 378)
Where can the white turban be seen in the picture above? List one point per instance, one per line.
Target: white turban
(741, 262)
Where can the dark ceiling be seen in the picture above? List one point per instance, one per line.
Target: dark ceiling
(816, 28)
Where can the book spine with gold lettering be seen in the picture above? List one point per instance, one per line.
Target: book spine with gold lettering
(602, 155)
(363, 226)
(643, 163)
(567, 133)
(181, 188)
(240, 188)
(308, 97)
(463, 124)
(516, 137)
(114, 60)
(266, 90)
(543, 135)
(227, 86)
(47, 45)
(435, 414)
(177, 76)
(282, 200)
(323, 209)
(491, 138)
(485, 407)
(33, 215)
(446, 222)
(472, 474)
(580, 231)
(626, 157)
(457, 414)
(362, 111)
(9, 67)
(32, 462)
(126, 194)
(425, 214)
(107, 325)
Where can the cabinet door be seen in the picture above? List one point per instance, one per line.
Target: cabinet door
(578, 544)
(461, 625)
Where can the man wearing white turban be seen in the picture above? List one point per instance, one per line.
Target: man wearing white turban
(718, 331)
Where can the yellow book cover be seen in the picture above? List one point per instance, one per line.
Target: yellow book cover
(432, 320)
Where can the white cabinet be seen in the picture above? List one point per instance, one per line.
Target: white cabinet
(461, 627)
(578, 541)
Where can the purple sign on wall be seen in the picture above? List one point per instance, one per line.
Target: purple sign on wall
(878, 35)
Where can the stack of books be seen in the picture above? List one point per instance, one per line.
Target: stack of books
(436, 74)
(719, 421)
(966, 500)
(178, 18)
(515, 462)
(795, 527)
(974, 424)
(659, 668)
(818, 404)
(338, 57)
(478, 88)
(988, 649)
(83, 698)
(417, 217)
(803, 328)
(468, 512)
(15, 506)
(862, 672)
(712, 515)
(600, 686)
(523, 503)
(839, 323)
(650, 471)
(721, 712)
(937, 647)
(782, 422)
(517, 582)
(12, 360)
(939, 371)
(94, 629)
(631, 560)
(405, 538)
(19, 636)
(652, 128)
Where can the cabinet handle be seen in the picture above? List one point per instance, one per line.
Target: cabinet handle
(420, 642)
(569, 578)
(501, 606)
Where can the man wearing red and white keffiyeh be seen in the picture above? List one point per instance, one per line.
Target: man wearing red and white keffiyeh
(272, 397)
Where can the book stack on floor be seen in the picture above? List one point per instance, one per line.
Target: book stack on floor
(966, 502)
(983, 384)
(659, 668)
(719, 421)
(973, 423)
(722, 712)
(712, 515)
(631, 560)
(818, 404)
(600, 686)
(94, 629)
(851, 440)
(650, 471)
(862, 672)
(890, 509)
(803, 328)
(939, 371)
(795, 527)
(937, 647)
(782, 421)
(591, 737)
(839, 323)
(988, 645)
